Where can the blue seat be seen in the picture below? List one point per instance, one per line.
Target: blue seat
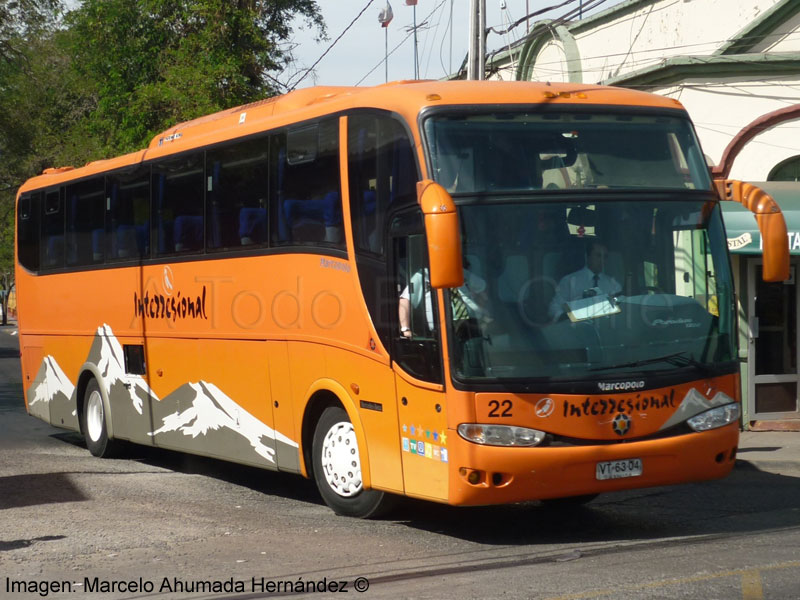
(188, 231)
(123, 242)
(252, 225)
(322, 216)
(143, 238)
(54, 251)
(324, 210)
(98, 244)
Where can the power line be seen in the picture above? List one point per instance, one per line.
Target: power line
(540, 66)
(403, 41)
(433, 41)
(408, 35)
(527, 17)
(567, 16)
(341, 35)
(644, 60)
(448, 30)
(755, 140)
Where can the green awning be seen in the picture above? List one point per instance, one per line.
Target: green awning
(741, 226)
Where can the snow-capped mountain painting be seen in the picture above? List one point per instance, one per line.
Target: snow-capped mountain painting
(196, 417)
(50, 387)
(107, 354)
(212, 415)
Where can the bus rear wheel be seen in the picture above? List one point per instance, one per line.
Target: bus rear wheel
(93, 423)
(337, 468)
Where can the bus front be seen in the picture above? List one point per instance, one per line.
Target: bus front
(592, 346)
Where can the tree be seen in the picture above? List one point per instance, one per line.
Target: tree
(22, 22)
(22, 19)
(152, 63)
(112, 73)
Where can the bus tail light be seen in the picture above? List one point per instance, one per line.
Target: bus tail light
(714, 418)
(500, 435)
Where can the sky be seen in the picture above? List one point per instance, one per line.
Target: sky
(442, 43)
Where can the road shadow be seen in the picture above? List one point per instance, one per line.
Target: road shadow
(5, 546)
(6, 352)
(40, 488)
(749, 500)
(270, 483)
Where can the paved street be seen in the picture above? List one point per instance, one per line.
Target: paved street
(163, 525)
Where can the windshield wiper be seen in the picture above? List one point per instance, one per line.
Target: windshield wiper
(679, 359)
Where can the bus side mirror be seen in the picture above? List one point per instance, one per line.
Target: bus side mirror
(771, 224)
(443, 234)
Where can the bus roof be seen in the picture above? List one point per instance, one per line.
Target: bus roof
(403, 97)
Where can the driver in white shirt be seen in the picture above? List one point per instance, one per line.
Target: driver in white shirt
(586, 282)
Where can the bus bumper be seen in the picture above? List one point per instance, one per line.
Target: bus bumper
(493, 475)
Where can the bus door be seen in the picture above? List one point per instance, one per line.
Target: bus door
(772, 342)
(417, 363)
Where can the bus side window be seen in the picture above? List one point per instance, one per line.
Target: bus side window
(383, 176)
(237, 188)
(53, 230)
(28, 231)
(86, 222)
(178, 202)
(309, 204)
(128, 218)
(418, 354)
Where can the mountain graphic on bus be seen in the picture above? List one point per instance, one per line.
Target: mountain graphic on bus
(106, 352)
(214, 416)
(196, 417)
(693, 404)
(51, 388)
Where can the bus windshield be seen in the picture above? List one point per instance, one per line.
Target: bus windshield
(591, 289)
(502, 151)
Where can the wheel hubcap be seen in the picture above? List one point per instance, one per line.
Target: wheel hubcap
(94, 416)
(340, 460)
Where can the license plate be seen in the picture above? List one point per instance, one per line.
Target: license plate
(616, 469)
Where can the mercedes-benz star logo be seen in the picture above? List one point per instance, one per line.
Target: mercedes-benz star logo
(621, 424)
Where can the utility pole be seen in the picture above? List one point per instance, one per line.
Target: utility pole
(416, 55)
(4, 300)
(527, 18)
(450, 64)
(384, 18)
(476, 67)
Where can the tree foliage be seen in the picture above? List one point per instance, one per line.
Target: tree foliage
(152, 63)
(22, 19)
(25, 25)
(107, 76)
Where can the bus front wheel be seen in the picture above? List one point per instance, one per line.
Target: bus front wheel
(93, 422)
(337, 468)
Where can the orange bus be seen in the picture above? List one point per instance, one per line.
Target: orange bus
(465, 292)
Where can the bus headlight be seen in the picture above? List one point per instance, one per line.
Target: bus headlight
(500, 435)
(716, 417)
